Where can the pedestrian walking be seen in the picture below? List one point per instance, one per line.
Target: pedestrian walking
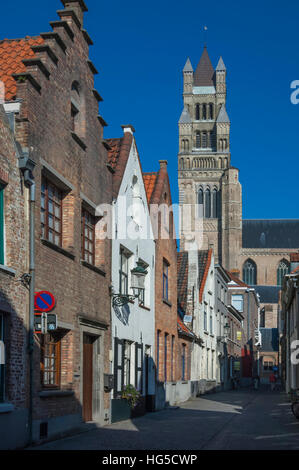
(272, 379)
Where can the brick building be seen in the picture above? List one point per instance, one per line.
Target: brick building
(13, 293)
(171, 360)
(49, 83)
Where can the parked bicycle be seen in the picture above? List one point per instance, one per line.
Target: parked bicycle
(295, 402)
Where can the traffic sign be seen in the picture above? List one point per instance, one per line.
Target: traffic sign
(44, 301)
(45, 322)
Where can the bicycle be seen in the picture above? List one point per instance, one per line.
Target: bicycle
(294, 394)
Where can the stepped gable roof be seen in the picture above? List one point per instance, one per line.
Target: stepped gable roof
(204, 73)
(270, 233)
(12, 53)
(204, 262)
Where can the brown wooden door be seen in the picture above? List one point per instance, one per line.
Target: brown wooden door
(87, 377)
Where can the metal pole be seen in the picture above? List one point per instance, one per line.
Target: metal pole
(31, 306)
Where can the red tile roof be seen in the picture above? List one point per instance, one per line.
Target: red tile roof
(182, 281)
(12, 52)
(204, 262)
(237, 280)
(182, 328)
(149, 183)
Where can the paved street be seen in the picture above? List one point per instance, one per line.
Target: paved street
(227, 420)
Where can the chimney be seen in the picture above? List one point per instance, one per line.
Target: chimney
(236, 273)
(294, 258)
(163, 164)
(128, 128)
(78, 6)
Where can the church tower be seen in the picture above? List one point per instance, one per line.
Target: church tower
(205, 175)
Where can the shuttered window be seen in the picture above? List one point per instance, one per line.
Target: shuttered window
(138, 367)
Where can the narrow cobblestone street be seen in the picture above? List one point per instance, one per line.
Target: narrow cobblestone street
(243, 420)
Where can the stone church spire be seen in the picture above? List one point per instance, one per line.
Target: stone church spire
(205, 174)
(204, 72)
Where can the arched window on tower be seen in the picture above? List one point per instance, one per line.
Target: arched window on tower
(250, 272)
(204, 140)
(215, 203)
(197, 143)
(282, 270)
(197, 112)
(204, 112)
(207, 203)
(200, 202)
(211, 109)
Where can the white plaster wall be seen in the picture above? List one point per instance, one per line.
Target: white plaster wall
(135, 323)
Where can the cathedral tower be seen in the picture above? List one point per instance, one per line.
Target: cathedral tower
(205, 175)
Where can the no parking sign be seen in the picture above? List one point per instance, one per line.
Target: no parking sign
(44, 301)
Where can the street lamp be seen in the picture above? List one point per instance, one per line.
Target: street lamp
(226, 330)
(138, 280)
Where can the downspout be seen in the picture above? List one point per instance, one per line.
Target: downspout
(31, 303)
(27, 166)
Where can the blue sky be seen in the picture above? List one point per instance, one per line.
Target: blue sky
(140, 49)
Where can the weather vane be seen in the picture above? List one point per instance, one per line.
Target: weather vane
(205, 35)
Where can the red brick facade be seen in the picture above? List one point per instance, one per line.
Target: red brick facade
(60, 125)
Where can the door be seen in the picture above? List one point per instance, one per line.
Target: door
(87, 376)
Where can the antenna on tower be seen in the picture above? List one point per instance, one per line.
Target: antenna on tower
(205, 35)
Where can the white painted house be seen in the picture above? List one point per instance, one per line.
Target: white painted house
(133, 324)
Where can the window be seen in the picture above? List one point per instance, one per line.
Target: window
(282, 270)
(158, 353)
(2, 366)
(205, 321)
(204, 140)
(262, 318)
(50, 361)
(211, 323)
(1, 224)
(165, 280)
(138, 366)
(268, 365)
(165, 355)
(214, 203)
(204, 112)
(127, 363)
(183, 361)
(197, 112)
(123, 272)
(197, 142)
(249, 272)
(88, 237)
(207, 203)
(211, 111)
(237, 302)
(51, 212)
